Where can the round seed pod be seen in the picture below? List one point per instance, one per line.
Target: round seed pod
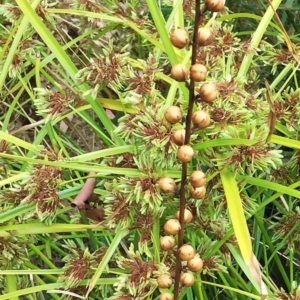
(164, 281)
(167, 242)
(187, 279)
(214, 5)
(198, 192)
(204, 36)
(179, 72)
(208, 92)
(186, 252)
(179, 136)
(179, 38)
(201, 119)
(198, 72)
(195, 264)
(188, 216)
(166, 296)
(167, 184)
(172, 226)
(173, 114)
(197, 178)
(185, 153)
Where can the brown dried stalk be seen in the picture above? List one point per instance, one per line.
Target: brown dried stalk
(186, 142)
(86, 192)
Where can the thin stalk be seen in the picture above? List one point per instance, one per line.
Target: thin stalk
(186, 142)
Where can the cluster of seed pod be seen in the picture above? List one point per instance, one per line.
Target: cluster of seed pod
(186, 253)
(207, 92)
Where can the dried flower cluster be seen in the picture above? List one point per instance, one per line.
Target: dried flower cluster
(140, 278)
(51, 103)
(79, 264)
(39, 186)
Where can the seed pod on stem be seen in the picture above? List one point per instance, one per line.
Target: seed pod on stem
(195, 264)
(201, 119)
(214, 5)
(179, 72)
(187, 216)
(197, 178)
(166, 296)
(204, 36)
(179, 38)
(172, 226)
(208, 92)
(185, 153)
(198, 192)
(186, 252)
(164, 281)
(179, 136)
(173, 114)
(187, 279)
(167, 184)
(198, 72)
(167, 243)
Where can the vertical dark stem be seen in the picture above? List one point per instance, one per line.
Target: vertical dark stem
(187, 140)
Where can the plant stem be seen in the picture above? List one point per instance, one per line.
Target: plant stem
(186, 142)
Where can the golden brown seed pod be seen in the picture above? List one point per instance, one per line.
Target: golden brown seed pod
(214, 5)
(204, 36)
(167, 184)
(179, 136)
(164, 281)
(179, 72)
(208, 92)
(188, 216)
(185, 153)
(195, 264)
(173, 114)
(166, 296)
(187, 279)
(198, 72)
(198, 192)
(201, 119)
(172, 227)
(179, 38)
(186, 252)
(197, 178)
(167, 242)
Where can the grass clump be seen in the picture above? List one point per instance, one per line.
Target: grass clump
(87, 137)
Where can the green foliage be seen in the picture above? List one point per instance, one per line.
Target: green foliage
(84, 60)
